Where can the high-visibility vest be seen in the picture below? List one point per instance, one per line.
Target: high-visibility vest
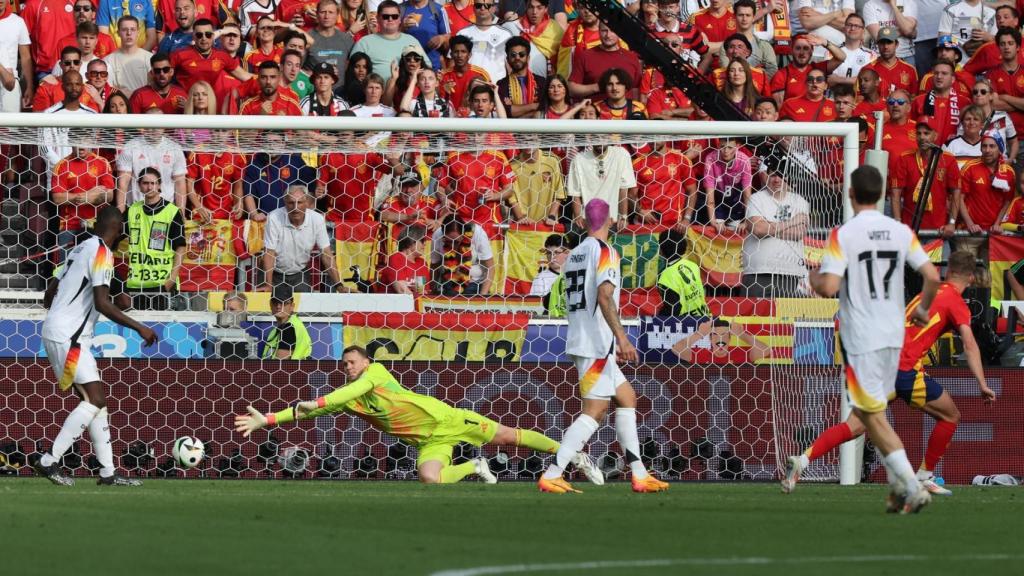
(150, 249)
(303, 343)
(683, 278)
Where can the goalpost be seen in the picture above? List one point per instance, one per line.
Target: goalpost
(499, 354)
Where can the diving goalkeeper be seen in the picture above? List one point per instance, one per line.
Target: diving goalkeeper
(426, 423)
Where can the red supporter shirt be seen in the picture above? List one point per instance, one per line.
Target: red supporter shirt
(215, 175)
(662, 181)
(287, 9)
(986, 59)
(632, 108)
(588, 67)
(281, 105)
(962, 81)
(467, 176)
(804, 110)
(757, 75)
(48, 94)
(351, 180)
(948, 311)
(715, 28)
(898, 76)
(104, 44)
(455, 86)
(910, 168)
(1012, 85)
(251, 88)
(792, 81)
(897, 139)
(737, 355)
(78, 176)
(1015, 213)
(866, 110)
(576, 39)
(661, 99)
(983, 200)
(425, 205)
(404, 268)
(147, 97)
(253, 59)
(459, 19)
(48, 22)
(943, 112)
(190, 66)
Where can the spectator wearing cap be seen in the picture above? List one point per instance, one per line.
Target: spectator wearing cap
(791, 81)
(947, 49)
(1008, 78)
(411, 206)
(406, 271)
(616, 86)
(825, 19)
(940, 211)
(761, 54)
(386, 46)
(942, 103)
(987, 58)
(292, 233)
(539, 187)
(521, 90)
(857, 54)
(592, 63)
(403, 74)
(488, 39)
(773, 251)
(986, 188)
(427, 22)
(967, 145)
(812, 106)
(556, 252)
(288, 339)
(738, 46)
(983, 95)
(967, 24)
(461, 259)
(895, 72)
(330, 45)
(899, 16)
(323, 101)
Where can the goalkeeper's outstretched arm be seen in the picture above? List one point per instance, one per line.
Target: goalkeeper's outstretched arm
(329, 404)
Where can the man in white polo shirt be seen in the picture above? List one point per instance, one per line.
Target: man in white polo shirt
(292, 233)
(14, 43)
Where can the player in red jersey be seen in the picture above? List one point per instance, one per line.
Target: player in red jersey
(717, 22)
(948, 312)
(214, 184)
(719, 333)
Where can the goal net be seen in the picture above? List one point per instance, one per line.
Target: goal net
(733, 377)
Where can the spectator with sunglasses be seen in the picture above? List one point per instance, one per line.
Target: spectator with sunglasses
(521, 90)
(995, 120)
(813, 106)
(50, 90)
(202, 61)
(161, 92)
(791, 81)
(899, 134)
(84, 12)
(129, 64)
(109, 13)
(96, 81)
(488, 39)
(385, 47)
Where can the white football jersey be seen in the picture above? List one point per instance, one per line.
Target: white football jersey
(590, 264)
(72, 314)
(869, 253)
(960, 18)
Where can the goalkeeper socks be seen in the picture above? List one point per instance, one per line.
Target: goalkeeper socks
(74, 425)
(939, 440)
(99, 432)
(898, 465)
(625, 433)
(828, 440)
(572, 442)
(535, 441)
(452, 473)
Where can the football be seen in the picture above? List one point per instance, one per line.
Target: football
(188, 452)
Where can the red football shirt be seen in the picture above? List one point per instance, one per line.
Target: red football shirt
(281, 105)
(983, 200)
(215, 175)
(351, 180)
(146, 97)
(104, 44)
(804, 110)
(468, 176)
(253, 59)
(943, 111)
(962, 81)
(986, 58)
(909, 170)
(77, 176)
(48, 94)
(662, 180)
(948, 311)
(1015, 213)
(900, 75)
(792, 80)
(48, 22)
(631, 109)
(661, 99)
(897, 139)
(425, 205)
(404, 268)
(251, 87)
(737, 355)
(454, 85)
(1012, 85)
(715, 28)
(190, 66)
(757, 75)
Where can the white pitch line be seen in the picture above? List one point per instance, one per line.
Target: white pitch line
(734, 561)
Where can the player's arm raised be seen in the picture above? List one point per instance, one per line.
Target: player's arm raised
(610, 311)
(329, 404)
(103, 303)
(973, 355)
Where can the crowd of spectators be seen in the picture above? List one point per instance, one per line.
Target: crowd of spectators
(943, 74)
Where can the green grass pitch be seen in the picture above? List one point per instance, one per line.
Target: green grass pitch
(188, 527)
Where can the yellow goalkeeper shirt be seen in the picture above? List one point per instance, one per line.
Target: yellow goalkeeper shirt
(383, 403)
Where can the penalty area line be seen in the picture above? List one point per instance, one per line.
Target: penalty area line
(733, 561)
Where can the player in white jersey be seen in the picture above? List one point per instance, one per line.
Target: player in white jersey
(75, 300)
(863, 263)
(595, 339)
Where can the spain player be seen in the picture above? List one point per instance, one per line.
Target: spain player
(426, 423)
(80, 294)
(596, 339)
(919, 390)
(864, 260)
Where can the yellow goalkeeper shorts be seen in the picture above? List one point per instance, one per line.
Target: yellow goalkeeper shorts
(460, 426)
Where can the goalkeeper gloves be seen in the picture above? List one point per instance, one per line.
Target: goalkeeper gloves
(247, 424)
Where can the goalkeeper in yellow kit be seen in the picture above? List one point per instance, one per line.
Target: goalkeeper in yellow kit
(424, 422)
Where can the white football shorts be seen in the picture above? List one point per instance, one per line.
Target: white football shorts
(599, 377)
(871, 378)
(72, 367)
